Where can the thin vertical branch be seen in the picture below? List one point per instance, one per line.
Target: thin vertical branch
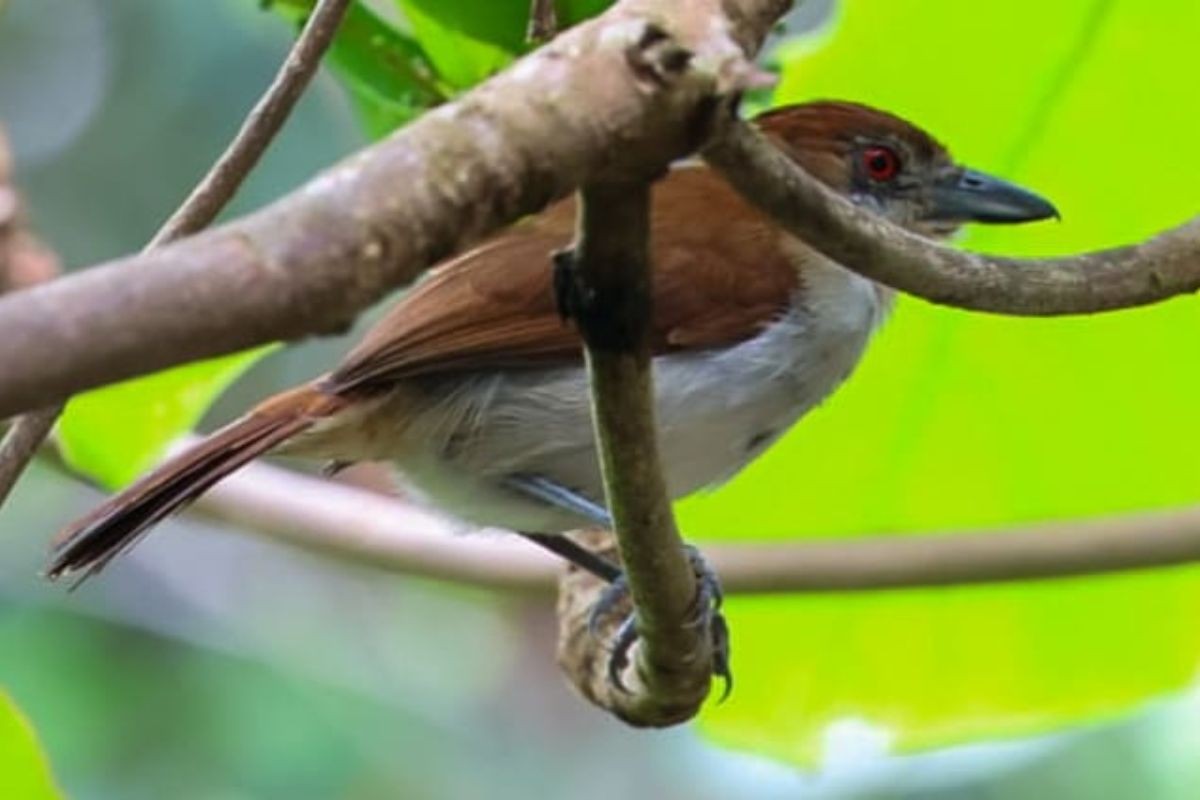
(606, 290)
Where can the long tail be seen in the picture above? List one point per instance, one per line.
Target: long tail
(87, 545)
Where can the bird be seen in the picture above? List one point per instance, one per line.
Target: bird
(475, 388)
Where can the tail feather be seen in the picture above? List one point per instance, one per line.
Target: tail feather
(86, 546)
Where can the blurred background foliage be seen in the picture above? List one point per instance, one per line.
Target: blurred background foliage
(27, 775)
(208, 664)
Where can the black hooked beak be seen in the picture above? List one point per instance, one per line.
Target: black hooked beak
(970, 196)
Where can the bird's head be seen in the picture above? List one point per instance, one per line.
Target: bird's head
(889, 165)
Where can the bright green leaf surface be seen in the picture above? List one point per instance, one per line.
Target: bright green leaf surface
(959, 419)
(502, 23)
(468, 41)
(115, 433)
(460, 55)
(24, 772)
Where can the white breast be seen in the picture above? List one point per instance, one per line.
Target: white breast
(720, 410)
(716, 411)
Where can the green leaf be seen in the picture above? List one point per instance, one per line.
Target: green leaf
(115, 433)
(500, 23)
(25, 773)
(389, 76)
(469, 40)
(573, 11)
(960, 420)
(451, 37)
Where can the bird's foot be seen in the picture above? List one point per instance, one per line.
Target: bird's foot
(706, 614)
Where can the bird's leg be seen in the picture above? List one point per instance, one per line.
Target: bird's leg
(575, 553)
(705, 613)
(553, 493)
(706, 608)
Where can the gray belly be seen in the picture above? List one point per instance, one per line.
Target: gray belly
(716, 411)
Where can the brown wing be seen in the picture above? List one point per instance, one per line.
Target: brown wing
(720, 275)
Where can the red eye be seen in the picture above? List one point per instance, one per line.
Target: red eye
(880, 163)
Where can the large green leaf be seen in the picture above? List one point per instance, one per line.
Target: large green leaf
(115, 433)
(959, 419)
(500, 23)
(24, 772)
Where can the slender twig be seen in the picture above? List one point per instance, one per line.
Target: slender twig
(364, 527)
(21, 443)
(604, 283)
(262, 124)
(1044, 551)
(23, 261)
(543, 21)
(1123, 277)
(214, 191)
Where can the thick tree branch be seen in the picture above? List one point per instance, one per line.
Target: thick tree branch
(214, 191)
(1165, 266)
(604, 286)
(639, 80)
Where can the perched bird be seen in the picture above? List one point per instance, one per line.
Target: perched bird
(474, 388)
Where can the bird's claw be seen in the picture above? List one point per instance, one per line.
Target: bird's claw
(611, 598)
(706, 614)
